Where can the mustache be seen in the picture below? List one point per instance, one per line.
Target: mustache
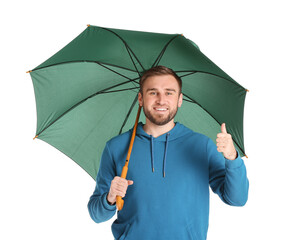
(158, 105)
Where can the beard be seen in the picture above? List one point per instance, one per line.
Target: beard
(158, 119)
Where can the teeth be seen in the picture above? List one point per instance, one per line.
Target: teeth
(161, 109)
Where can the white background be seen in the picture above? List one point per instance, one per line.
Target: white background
(44, 194)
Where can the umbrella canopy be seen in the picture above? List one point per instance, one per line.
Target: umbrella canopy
(87, 92)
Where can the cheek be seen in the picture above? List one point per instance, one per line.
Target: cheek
(148, 103)
(175, 102)
(147, 100)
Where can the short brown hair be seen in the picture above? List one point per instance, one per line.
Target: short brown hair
(158, 71)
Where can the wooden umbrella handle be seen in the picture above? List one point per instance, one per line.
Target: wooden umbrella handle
(119, 200)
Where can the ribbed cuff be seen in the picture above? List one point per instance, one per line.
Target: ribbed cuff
(106, 204)
(234, 163)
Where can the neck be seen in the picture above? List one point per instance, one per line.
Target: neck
(157, 130)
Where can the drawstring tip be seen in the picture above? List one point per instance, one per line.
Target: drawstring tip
(153, 169)
(164, 174)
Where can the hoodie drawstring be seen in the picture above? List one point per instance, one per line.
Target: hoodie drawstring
(152, 143)
(165, 153)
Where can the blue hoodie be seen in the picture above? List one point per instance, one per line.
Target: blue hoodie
(170, 195)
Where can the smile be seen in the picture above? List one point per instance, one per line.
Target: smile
(161, 109)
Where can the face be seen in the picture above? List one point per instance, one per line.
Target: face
(160, 99)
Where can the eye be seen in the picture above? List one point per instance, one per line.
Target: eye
(153, 93)
(168, 93)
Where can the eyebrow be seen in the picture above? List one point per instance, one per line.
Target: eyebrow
(167, 89)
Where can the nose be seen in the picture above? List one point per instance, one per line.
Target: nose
(160, 99)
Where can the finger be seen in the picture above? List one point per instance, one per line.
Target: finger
(121, 187)
(116, 192)
(222, 135)
(221, 144)
(220, 149)
(224, 140)
(120, 190)
(121, 181)
(120, 193)
(223, 128)
(130, 182)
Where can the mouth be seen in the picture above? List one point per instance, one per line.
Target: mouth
(160, 109)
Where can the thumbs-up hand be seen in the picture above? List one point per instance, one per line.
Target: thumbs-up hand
(225, 144)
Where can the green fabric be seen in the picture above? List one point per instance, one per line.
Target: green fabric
(85, 92)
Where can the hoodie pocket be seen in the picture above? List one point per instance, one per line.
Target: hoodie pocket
(124, 235)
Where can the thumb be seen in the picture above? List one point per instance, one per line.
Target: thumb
(223, 129)
(130, 182)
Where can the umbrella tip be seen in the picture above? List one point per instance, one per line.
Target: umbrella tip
(246, 156)
(35, 137)
(29, 71)
(247, 90)
(88, 25)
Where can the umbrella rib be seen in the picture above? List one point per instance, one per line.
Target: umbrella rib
(163, 51)
(194, 71)
(127, 47)
(126, 89)
(132, 81)
(113, 71)
(83, 100)
(187, 100)
(83, 61)
(128, 114)
(101, 64)
(193, 101)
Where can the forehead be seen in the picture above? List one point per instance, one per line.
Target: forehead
(162, 81)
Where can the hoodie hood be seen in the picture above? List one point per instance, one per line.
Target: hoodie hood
(178, 131)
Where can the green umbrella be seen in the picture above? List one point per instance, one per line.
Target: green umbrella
(86, 93)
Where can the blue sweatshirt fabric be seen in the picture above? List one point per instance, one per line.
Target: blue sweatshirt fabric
(170, 195)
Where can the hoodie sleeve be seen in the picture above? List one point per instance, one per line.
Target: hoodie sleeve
(99, 209)
(227, 178)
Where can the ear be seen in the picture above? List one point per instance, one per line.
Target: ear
(180, 100)
(140, 99)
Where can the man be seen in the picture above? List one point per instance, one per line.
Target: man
(170, 171)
